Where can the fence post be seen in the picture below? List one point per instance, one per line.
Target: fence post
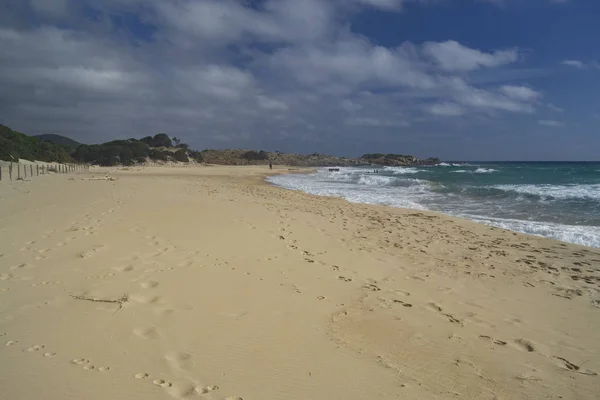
(37, 169)
(10, 171)
(0, 172)
(18, 171)
(31, 169)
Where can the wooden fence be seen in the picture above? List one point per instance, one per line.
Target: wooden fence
(16, 171)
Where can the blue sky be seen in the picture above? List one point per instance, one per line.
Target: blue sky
(462, 80)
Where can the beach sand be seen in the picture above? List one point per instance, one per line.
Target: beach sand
(205, 282)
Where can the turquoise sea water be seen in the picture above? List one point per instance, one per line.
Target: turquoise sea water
(557, 200)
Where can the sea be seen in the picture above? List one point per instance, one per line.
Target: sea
(559, 200)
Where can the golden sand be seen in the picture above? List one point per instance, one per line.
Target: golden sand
(207, 283)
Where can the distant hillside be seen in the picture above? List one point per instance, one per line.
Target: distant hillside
(132, 151)
(251, 157)
(16, 145)
(56, 148)
(58, 139)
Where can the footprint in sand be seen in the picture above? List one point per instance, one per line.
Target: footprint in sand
(525, 345)
(125, 268)
(141, 375)
(149, 284)
(566, 364)
(344, 279)
(206, 389)
(11, 343)
(162, 383)
(35, 348)
(404, 304)
(495, 341)
(85, 364)
(434, 307)
(21, 266)
(371, 287)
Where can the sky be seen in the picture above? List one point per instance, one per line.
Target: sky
(455, 79)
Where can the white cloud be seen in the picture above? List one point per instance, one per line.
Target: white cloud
(352, 61)
(486, 100)
(581, 65)
(555, 108)
(390, 5)
(550, 123)
(271, 104)
(446, 109)
(228, 21)
(216, 69)
(375, 122)
(574, 63)
(220, 81)
(522, 93)
(453, 56)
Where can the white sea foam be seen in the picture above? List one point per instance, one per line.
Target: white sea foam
(584, 235)
(361, 186)
(356, 186)
(376, 180)
(402, 170)
(563, 192)
(485, 170)
(461, 171)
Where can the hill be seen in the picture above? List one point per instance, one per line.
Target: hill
(58, 139)
(16, 145)
(132, 151)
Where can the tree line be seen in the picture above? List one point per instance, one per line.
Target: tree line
(15, 145)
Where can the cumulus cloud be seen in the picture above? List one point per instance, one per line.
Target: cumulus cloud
(453, 56)
(219, 71)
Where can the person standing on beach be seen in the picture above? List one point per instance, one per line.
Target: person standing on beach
(270, 164)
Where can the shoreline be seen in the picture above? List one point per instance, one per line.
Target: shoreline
(581, 235)
(211, 281)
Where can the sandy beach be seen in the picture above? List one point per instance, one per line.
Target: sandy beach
(206, 282)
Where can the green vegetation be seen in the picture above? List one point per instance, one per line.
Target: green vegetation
(196, 155)
(255, 155)
(126, 152)
(181, 156)
(131, 151)
(58, 139)
(16, 145)
(159, 140)
(55, 148)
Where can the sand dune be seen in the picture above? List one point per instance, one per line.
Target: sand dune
(207, 283)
